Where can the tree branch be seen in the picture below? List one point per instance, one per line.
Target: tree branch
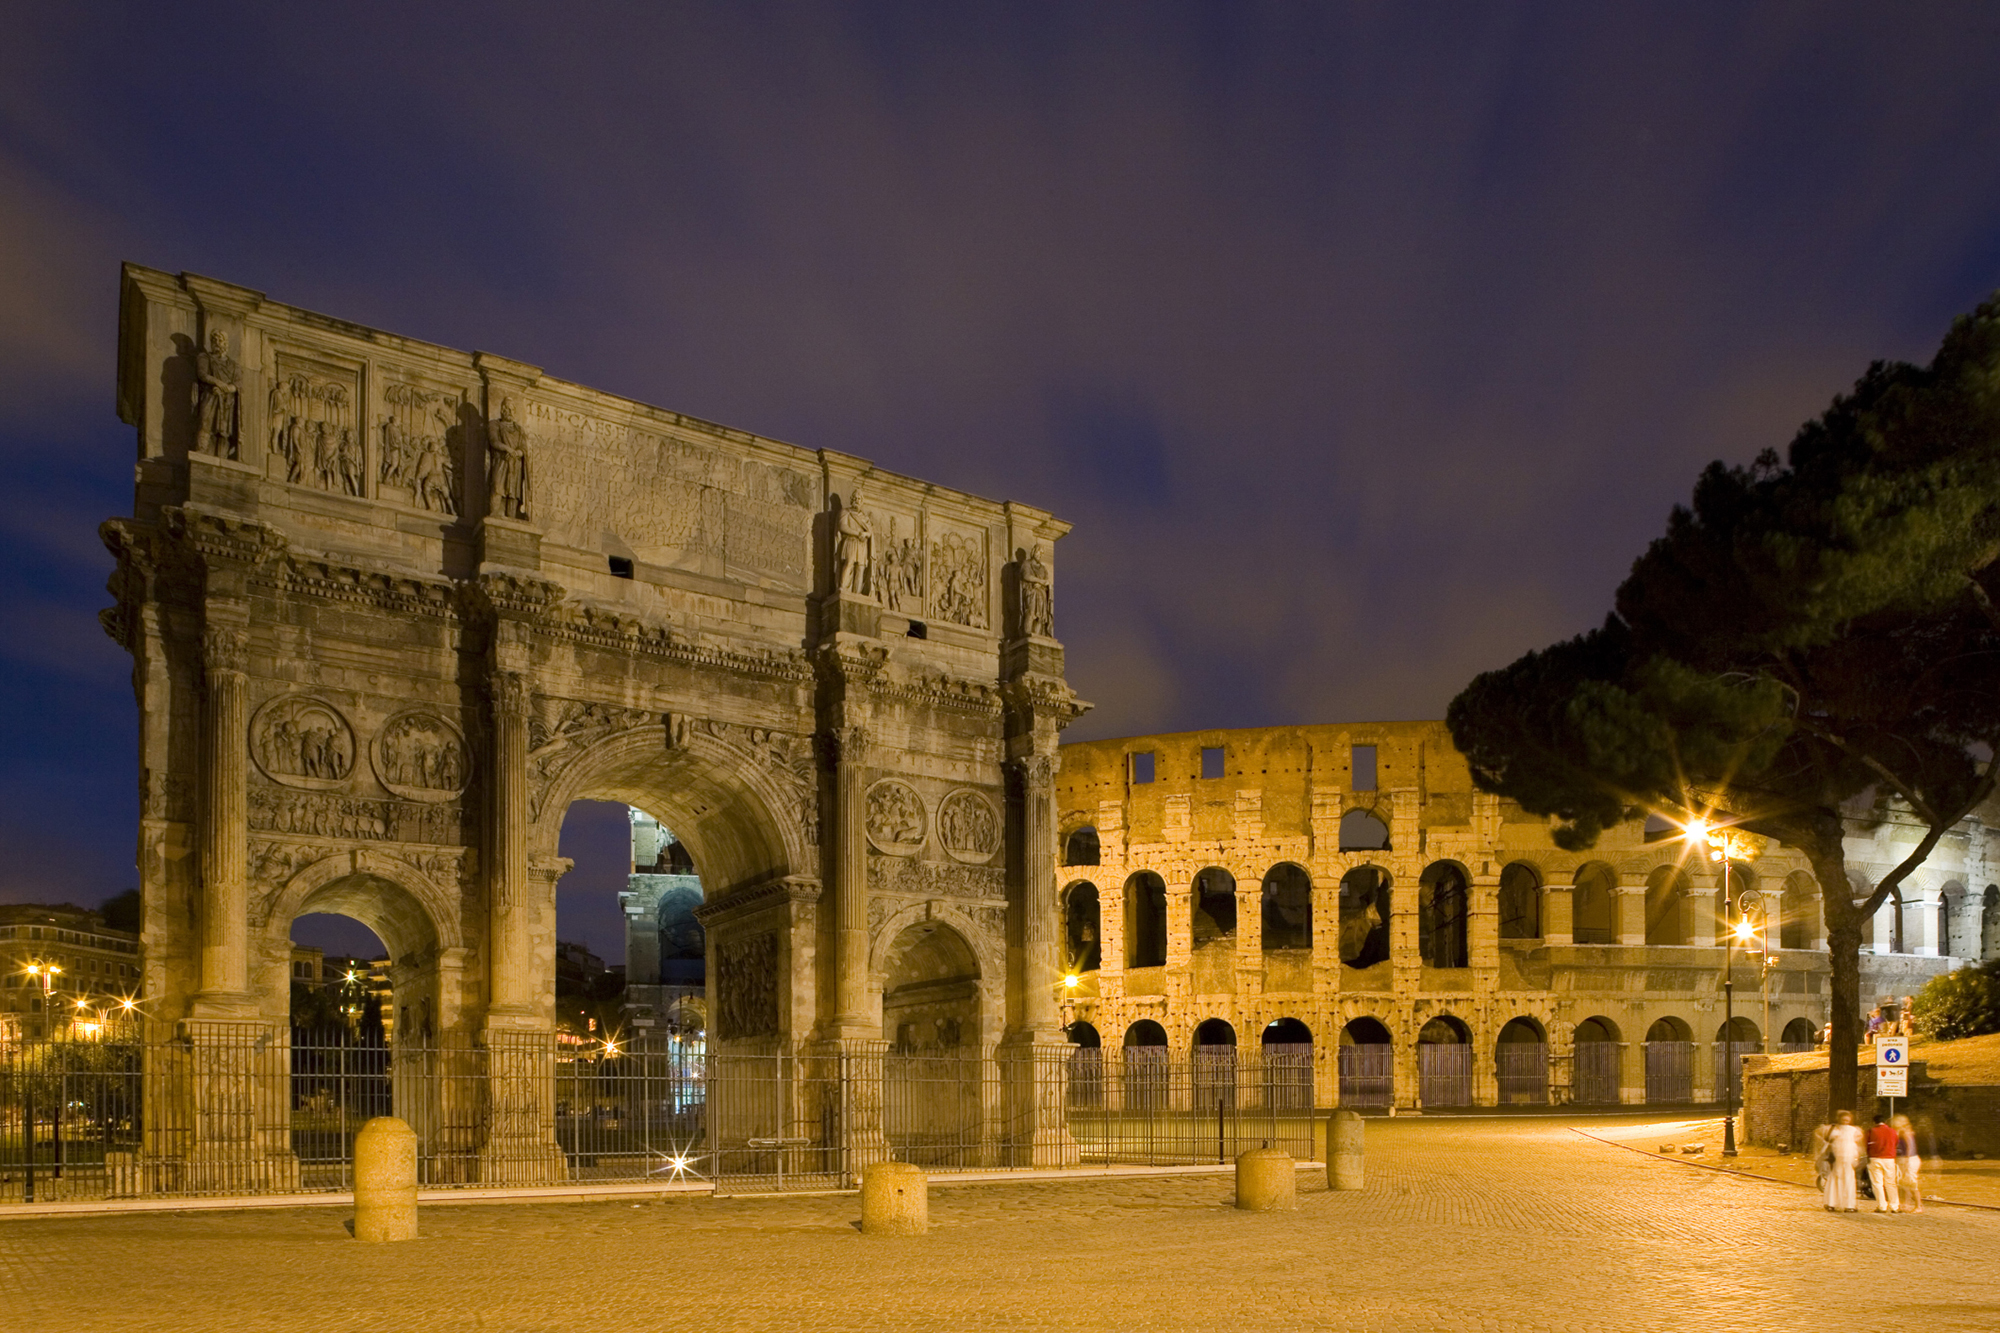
(1868, 761)
(1980, 791)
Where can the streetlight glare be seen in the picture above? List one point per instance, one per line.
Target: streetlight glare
(1697, 830)
(1072, 981)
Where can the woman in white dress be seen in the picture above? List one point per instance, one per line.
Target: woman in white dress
(1844, 1145)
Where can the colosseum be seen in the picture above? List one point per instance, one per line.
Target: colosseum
(1342, 899)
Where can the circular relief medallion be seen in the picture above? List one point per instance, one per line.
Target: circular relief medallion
(896, 820)
(969, 826)
(301, 741)
(420, 756)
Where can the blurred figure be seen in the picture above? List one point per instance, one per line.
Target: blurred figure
(1882, 1165)
(1822, 1155)
(1908, 1165)
(1844, 1151)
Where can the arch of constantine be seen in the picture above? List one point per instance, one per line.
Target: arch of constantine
(1342, 898)
(393, 607)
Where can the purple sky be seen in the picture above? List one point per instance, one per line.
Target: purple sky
(1364, 344)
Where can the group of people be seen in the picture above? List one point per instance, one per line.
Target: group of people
(1890, 1151)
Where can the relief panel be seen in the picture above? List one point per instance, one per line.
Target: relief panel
(315, 436)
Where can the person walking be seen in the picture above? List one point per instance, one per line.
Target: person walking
(1822, 1154)
(1844, 1153)
(1908, 1164)
(1882, 1164)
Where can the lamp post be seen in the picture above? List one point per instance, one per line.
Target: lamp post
(1728, 1010)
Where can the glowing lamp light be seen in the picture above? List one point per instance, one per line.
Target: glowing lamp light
(1698, 830)
(1072, 981)
(1745, 931)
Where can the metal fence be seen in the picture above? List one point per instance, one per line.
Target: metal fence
(1669, 1071)
(1367, 1077)
(1143, 1107)
(208, 1116)
(1594, 1073)
(1522, 1070)
(1444, 1073)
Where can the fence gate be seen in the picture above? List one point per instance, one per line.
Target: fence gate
(1729, 1067)
(1669, 1071)
(1444, 1074)
(1367, 1076)
(1523, 1070)
(1594, 1073)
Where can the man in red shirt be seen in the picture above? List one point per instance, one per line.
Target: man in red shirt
(1882, 1165)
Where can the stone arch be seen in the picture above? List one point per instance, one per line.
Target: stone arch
(1364, 916)
(1520, 901)
(743, 825)
(416, 918)
(1667, 894)
(1081, 847)
(933, 984)
(1211, 906)
(1145, 920)
(1287, 907)
(1445, 1029)
(1950, 898)
(1083, 928)
(1444, 909)
(1363, 831)
(1798, 908)
(1594, 909)
(988, 957)
(1595, 1028)
(1799, 1035)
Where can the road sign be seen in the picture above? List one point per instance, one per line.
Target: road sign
(1892, 1066)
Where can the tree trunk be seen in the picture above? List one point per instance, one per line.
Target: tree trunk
(1843, 948)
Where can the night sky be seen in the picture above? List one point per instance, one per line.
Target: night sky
(1365, 345)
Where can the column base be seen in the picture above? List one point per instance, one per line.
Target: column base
(1034, 1089)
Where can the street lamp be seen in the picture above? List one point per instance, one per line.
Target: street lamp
(1701, 832)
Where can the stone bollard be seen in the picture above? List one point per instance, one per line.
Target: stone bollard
(1343, 1151)
(385, 1181)
(895, 1200)
(1266, 1180)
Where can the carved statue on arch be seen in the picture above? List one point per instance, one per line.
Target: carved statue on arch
(218, 405)
(507, 465)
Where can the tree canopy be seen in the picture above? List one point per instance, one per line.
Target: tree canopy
(1812, 638)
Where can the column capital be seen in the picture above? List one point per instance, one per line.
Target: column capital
(224, 648)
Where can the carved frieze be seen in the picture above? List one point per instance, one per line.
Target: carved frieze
(937, 879)
(272, 864)
(898, 572)
(958, 577)
(746, 986)
(785, 756)
(324, 815)
(420, 448)
(969, 826)
(420, 756)
(562, 729)
(315, 433)
(896, 820)
(302, 741)
(674, 498)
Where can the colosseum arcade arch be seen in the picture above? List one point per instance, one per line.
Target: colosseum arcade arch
(398, 605)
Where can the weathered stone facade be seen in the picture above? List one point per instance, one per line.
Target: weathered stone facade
(392, 607)
(1489, 923)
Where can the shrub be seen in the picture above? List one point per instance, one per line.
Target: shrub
(1965, 1003)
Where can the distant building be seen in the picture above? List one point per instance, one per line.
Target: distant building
(666, 949)
(61, 965)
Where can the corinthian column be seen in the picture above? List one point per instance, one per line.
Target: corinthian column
(850, 889)
(510, 989)
(225, 924)
(1038, 896)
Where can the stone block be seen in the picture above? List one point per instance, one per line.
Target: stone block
(1266, 1181)
(385, 1181)
(895, 1200)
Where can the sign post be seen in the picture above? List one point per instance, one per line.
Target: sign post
(1892, 1069)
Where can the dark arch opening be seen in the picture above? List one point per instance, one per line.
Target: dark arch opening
(1799, 1035)
(1146, 1034)
(930, 990)
(1520, 902)
(1798, 907)
(1596, 1029)
(1364, 1032)
(1288, 921)
(1669, 1029)
(1442, 909)
(1287, 1032)
(1080, 848)
(1364, 917)
(1667, 893)
(1214, 906)
(1593, 915)
(1083, 1035)
(1083, 933)
(1362, 831)
(1522, 1030)
(1444, 1030)
(1214, 1032)
(1145, 920)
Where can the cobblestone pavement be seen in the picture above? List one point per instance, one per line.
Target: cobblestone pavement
(1496, 1224)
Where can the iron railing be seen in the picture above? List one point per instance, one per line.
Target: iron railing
(1594, 1072)
(220, 1112)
